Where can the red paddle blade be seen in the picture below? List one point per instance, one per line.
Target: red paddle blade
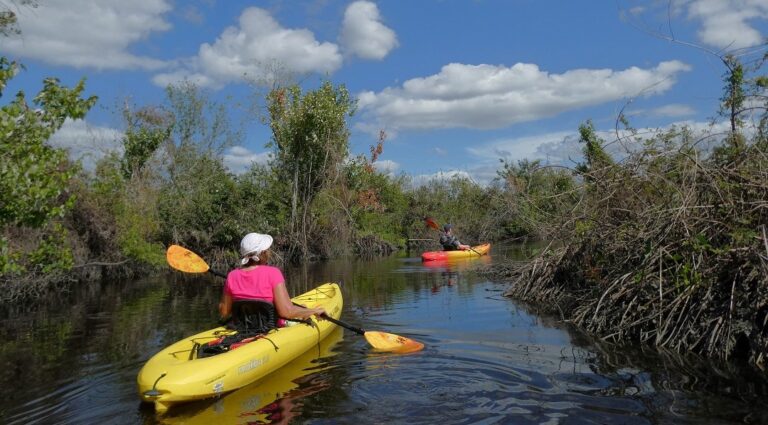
(431, 223)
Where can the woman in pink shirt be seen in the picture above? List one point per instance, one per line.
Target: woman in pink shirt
(255, 280)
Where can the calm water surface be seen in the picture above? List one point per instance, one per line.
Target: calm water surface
(487, 360)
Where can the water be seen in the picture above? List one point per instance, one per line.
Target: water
(487, 359)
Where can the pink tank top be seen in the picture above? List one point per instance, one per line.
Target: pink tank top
(257, 283)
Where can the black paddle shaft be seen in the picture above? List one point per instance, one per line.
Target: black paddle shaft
(343, 325)
(217, 273)
(338, 322)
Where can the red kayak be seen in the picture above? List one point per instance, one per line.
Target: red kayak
(475, 251)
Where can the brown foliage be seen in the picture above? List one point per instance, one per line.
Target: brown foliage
(667, 248)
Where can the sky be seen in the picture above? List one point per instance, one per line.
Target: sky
(456, 85)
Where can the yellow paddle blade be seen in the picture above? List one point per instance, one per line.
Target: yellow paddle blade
(391, 342)
(185, 260)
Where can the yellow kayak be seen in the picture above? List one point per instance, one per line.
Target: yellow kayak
(259, 402)
(475, 251)
(176, 374)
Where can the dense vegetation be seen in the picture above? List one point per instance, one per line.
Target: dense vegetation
(667, 244)
(168, 184)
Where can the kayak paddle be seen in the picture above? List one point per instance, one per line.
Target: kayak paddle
(187, 261)
(431, 223)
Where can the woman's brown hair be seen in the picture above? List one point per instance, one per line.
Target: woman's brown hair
(263, 259)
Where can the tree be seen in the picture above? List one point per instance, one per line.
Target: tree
(310, 140)
(148, 128)
(597, 159)
(196, 204)
(33, 175)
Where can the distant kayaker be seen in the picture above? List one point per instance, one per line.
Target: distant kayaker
(449, 241)
(255, 280)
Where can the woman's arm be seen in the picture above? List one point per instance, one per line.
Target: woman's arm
(287, 310)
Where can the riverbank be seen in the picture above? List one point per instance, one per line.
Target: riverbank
(78, 357)
(668, 248)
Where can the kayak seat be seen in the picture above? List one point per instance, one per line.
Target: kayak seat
(252, 317)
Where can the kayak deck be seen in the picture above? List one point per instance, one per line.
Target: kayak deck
(176, 374)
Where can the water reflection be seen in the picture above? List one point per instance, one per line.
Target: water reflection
(451, 270)
(487, 359)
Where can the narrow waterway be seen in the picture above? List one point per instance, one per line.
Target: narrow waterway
(487, 359)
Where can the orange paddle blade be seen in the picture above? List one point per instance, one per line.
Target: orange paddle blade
(431, 223)
(185, 260)
(391, 342)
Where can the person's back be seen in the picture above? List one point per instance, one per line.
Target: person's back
(449, 241)
(254, 283)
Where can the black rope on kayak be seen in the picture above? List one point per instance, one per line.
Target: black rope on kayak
(309, 322)
(272, 342)
(193, 351)
(317, 328)
(154, 392)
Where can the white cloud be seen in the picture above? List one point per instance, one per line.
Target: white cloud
(728, 24)
(386, 166)
(193, 14)
(563, 147)
(514, 149)
(259, 48)
(363, 34)
(179, 76)
(239, 159)
(489, 96)
(84, 33)
(374, 130)
(87, 143)
(673, 110)
(422, 179)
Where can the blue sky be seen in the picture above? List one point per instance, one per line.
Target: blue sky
(455, 84)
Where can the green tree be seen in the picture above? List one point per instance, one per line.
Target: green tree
(125, 189)
(33, 175)
(148, 129)
(196, 202)
(310, 141)
(596, 159)
(126, 210)
(535, 195)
